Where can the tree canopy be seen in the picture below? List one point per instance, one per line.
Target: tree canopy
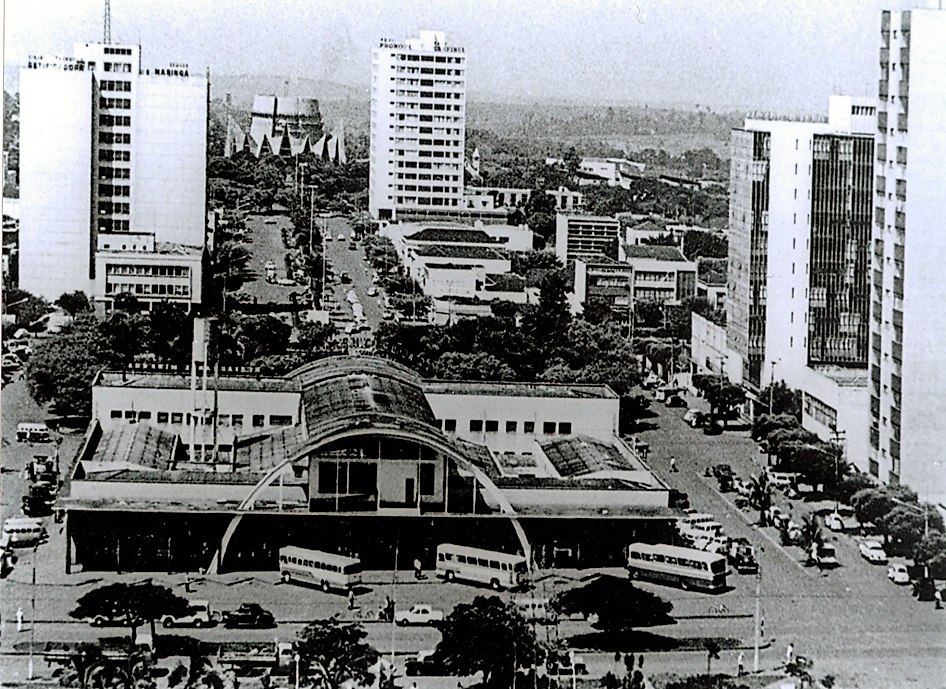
(133, 603)
(616, 603)
(487, 635)
(332, 653)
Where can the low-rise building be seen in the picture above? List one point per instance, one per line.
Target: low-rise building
(421, 258)
(605, 280)
(149, 272)
(711, 280)
(661, 273)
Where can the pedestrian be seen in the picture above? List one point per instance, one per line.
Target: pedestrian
(938, 597)
(741, 664)
(351, 599)
(418, 570)
(789, 654)
(19, 619)
(673, 464)
(640, 661)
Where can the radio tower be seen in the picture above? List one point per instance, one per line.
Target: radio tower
(108, 23)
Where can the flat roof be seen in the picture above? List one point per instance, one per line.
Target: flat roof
(450, 251)
(574, 391)
(660, 253)
(451, 235)
(178, 381)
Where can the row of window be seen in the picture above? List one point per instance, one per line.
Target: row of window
(401, 105)
(109, 85)
(124, 67)
(427, 130)
(424, 201)
(113, 225)
(479, 562)
(160, 290)
(314, 564)
(429, 70)
(669, 559)
(181, 419)
(109, 50)
(115, 103)
(492, 426)
(114, 190)
(415, 187)
(400, 93)
(112, 208)
(115, 120)
(409, 57)
(427, 166)
(114, 138)
(107, 155)
(114, 173)
(426, 177)
(156, 271)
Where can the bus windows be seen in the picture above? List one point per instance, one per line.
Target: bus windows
(670, 560)
(719, 566)
(635, 555)
(482, 562)
(494, 564)
(519, 567)
(658, 557)
(461, 559)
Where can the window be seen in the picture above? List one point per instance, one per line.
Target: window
(363, 478)
(280, 420)
(177, 418)
(492, 426)
(116, 413)
(426, 484)
(162, 417)
(238, 419)
(130, 414)
(144, 415)
(528, 426)
(565, 428)
(512, 426)
(548, 427)
(259, 420)
(476, 426)
(327, 473)
(450, 425)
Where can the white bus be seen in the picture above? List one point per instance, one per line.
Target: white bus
(23, 532)
(499, 570)
(326, 570)
(672, 565)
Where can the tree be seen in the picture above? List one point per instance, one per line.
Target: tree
(723, 396)
(84, 668)
(74, 302)
(712, 653)
(931, 552)
(616, 603)
(905, 526)
(478, 366)
(231, 269)
(543, 225)
(811, 536)
(697, 243)
(62, 368)
(760, 495)
(132, 603)
(525, 262)
(199, 674)
(784, 400)
(28, 309)
(765, 424)
(552, 317)
(263, 335)
(851, 484)
(487, 635)
(336, 653)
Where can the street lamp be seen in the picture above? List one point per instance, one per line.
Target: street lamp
(296, 657)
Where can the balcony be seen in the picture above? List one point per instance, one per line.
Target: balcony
(901, 189)
(883, 88)
(884, 56)
(901, 155)
(900, 221)
(902, 123)
(880, 185)
(903, 89)
(882, 124)
(905, 56)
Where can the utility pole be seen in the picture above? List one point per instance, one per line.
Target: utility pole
(32, 615)
(758, 617)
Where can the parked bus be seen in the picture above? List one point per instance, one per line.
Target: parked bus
(671, 565)
(32, 433)
(326, 570)
(23, 532)
(499, 570)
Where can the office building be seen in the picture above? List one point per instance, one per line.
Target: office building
(109, 149)
(588, 236)
(661, 273)
(418, 108)
(908, 324)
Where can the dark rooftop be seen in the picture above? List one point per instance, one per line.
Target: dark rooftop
(712, 271)
(449, 236)
(577, 455)
(481, 253)
(499, 282)
(659, 253)
(175, 381)
(140, 444)
(262, 451)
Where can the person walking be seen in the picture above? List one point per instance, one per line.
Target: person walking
(418, 569)
(741, 664)
(19, 619)
(351, 599)
(789, 654)
(673, 464)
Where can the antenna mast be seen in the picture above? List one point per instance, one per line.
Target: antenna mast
(108, 23)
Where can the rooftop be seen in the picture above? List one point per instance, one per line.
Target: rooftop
(450, 236)
(451, 387)
(589, 218)
(712, 271)
(577, 455)
(468, 252)
(658, 253)
(500, 282)
(144, 379)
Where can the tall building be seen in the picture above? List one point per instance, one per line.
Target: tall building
(908, 326)
(418, 107)
(113, 158)
(799, 265)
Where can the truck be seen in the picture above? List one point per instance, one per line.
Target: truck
(741, 555)
(419, 614)
(200, 615)
(250, 654)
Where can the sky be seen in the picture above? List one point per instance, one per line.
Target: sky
(784, 56)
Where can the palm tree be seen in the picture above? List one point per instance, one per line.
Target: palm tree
(760, 495)
(85, 669)
(199, 673)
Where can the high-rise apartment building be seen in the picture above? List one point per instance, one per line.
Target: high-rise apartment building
(112, 159)
(418, 107)
(908, 324)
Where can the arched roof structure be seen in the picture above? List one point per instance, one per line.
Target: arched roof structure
(351, 397)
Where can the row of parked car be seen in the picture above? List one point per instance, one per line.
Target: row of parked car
(702, 532)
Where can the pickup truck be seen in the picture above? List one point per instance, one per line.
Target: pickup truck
(200, 615)
(419, 614)
(247, 655)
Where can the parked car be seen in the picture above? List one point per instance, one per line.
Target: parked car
(419, 614)
(873, 552)
(826, 555)
(898, 574)
(109, 621)
(651, 381)
(712, 427)
(675, 401)
(834, 522)
(695, 418)
(372, 291)
(251, 615)
(200, 615)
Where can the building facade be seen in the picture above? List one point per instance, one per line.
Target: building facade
(108, 148)
(586, 236)
(907, 368)
(661, 273)
(418, 108)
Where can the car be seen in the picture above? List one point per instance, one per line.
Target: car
(122, 621)
(695, 418)
(651, 381)
(341, 237)
(251, 615)
(419, 614)
(675, 401)
(834, 522)
(200, 615)
(873, 552)
(898, 574)
(286, 282)
(345, 278)
(712, 428)
(721, 471)
(372, 291)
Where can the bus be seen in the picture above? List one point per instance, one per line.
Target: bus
(675, 566)
(23, 532)
(32, 433)
(325, 570)
(499, 570)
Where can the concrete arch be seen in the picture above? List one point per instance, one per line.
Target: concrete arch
(401, 428)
